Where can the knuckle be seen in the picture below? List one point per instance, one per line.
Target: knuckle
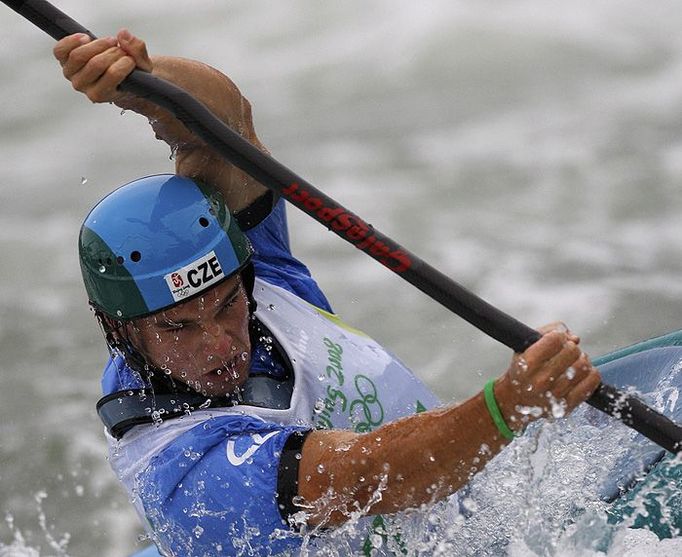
(118, 71)
(78, 57)
(96, 96)
(100, 64)
(58, 51)
(573, 350)
(78, 85)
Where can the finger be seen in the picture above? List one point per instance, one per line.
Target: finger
(64, 46)
(87, 77)
(104, 89)
(571, 377)
(553, 326)
(553, 369)
(583, 390)
(562, 328)
(136, 48)
(79, 57)
(544, 350)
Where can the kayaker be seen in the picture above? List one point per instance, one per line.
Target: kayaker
(240, 411)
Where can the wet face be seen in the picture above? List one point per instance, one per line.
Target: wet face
(203, 342)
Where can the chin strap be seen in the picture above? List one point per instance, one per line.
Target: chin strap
(122, 410)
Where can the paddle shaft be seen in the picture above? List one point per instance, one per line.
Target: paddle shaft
(350, 227)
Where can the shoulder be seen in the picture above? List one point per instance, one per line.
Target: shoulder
(273, 261)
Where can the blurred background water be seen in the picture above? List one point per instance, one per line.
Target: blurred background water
(531, 150)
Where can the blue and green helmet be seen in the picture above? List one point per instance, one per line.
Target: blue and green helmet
(156, 242)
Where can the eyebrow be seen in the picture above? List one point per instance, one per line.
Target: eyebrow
(232, 294)
(167, 321)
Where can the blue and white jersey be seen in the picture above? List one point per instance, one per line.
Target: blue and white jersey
(206, 483)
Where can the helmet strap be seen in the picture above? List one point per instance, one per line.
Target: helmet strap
(248, 276)
(117, 340)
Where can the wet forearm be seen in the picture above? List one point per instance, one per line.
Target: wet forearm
(193, 158)
(415, 460)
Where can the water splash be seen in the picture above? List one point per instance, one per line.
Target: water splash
(18, 546)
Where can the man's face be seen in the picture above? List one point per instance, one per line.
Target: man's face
(203, 342)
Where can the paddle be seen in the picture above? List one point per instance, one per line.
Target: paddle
(352, 228)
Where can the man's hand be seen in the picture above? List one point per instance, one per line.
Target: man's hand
(97, 67)
(549, 379)
(427, 456)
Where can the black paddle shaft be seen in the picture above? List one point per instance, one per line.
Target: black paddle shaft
(350, 227)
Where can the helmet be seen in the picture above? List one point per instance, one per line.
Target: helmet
(156, 242)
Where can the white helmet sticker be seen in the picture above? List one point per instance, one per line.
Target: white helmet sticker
(195, 277)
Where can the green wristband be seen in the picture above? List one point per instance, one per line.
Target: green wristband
(494, 410)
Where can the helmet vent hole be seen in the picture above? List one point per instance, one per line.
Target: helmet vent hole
(203, 221)
(135, 256)
(109, 261)
(119, 260)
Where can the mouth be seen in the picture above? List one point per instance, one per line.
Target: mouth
(227, 370)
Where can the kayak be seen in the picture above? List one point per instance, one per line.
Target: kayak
(643, 486)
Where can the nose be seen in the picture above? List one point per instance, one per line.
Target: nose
(217, 341)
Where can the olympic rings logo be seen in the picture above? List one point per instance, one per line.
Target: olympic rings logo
(370, 410)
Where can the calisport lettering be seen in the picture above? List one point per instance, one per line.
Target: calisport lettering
(351, 227)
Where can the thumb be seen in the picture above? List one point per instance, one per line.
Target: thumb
(135, 48)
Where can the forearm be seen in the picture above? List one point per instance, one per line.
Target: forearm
(415, 460)
(193, 158)
(425, 457)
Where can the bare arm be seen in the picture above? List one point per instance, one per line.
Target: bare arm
(425, 457)
(97, 67)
